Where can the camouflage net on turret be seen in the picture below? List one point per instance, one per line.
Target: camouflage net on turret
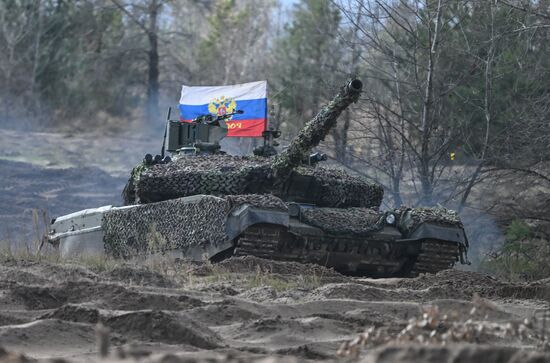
(437, 215)
(173, 224)
(202, 174)
(230, 175)
(357, 221)
(336, 188)
(264, 201)
(225, 175)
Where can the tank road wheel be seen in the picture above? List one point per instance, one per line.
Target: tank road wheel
(435, 255)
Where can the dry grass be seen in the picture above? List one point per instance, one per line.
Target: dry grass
(432, 327)
(181, 273)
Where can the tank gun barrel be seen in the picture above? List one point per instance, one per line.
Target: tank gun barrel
(316, 129)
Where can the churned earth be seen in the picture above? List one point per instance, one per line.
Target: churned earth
(247, 309)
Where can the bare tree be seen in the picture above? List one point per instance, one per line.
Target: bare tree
(150, 27)
(422, 121)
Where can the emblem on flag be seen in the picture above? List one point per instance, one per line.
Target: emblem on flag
(250, 98)
(222, 106)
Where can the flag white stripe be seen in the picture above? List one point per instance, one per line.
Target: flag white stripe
(202, 95)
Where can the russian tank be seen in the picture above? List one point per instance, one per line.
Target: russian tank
(202, 203)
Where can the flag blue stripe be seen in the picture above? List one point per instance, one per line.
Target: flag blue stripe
(253, 109)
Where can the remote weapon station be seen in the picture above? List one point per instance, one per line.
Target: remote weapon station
(201, 203)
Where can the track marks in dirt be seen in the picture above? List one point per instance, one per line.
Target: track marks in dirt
(224, 312)
(162, 326)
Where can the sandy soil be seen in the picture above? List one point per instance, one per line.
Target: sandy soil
(247, 308)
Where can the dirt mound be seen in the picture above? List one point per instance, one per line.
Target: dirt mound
(37, 297)
(48, 337)
(224, 312)
(119, 297)
(535, 290)
(9, 319)
(22, 277)
(464, 284)
(404, 354)
(159, 326)
(454, 354)
(140, 276)
(462, 280)
(75, 313)
(54, 272)
(251, 308)
(101, 294)
(43, 273)
(261, 293)
(246, 264)
(359, 292)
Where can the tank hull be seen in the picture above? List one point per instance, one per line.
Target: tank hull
(262, 227)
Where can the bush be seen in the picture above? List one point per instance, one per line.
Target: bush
(524, 256)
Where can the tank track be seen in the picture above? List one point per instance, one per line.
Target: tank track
(259, 242)
(435, 256)
(268, 242)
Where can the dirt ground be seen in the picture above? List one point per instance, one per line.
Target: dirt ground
(248, 309)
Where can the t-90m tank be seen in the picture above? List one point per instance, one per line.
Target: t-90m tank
(204, 204)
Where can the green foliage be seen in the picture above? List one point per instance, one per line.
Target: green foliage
(308, 59)
(524, 256)
(223, 20)
(237, 32)
(518, 230)
(65, 60)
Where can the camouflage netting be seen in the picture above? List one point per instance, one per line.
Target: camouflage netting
(164, 226)
(265, 201)
(358, 221)
(172, 224)
(336, 188)
(228, 175)
(202, 174)
(438, 215)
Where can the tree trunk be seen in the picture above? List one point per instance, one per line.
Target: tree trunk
(36, 57)
(153, 80)
(427, 110)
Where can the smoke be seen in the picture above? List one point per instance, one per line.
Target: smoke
(484, 234)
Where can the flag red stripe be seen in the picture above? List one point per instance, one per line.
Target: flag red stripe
(245, 128)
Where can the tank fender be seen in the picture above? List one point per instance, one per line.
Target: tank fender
(245, 216)
(435, 231)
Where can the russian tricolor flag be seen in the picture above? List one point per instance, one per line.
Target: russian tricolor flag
(251, 98)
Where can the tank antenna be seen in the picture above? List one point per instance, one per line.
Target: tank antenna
(165, 130)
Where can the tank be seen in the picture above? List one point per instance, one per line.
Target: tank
(202, 203)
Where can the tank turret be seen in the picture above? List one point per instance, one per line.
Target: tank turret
(289, 175)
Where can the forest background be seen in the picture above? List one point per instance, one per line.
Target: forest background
(454, 112)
